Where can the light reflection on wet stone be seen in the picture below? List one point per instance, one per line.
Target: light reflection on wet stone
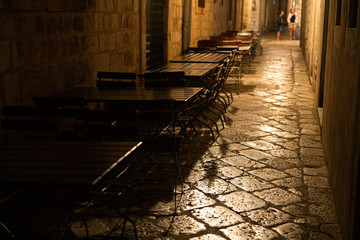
(241, 201)
(249, 231)
(265, 176)
(218, 216)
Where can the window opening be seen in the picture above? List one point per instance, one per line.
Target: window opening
(201, 3)
(338, 12)
(353, 9)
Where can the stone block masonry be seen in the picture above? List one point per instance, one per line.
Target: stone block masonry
(48, 46)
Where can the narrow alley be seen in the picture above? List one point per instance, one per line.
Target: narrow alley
(180, 120)
(264, 178)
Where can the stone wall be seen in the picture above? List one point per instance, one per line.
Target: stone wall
(210, 21)
(341, 103)
(47, 46)
(202, 22)
(175, 23)
(312, 38)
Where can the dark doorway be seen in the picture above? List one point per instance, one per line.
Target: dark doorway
(323, 56)
(155, 32)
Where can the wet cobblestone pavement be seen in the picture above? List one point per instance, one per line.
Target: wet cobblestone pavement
(264, 178)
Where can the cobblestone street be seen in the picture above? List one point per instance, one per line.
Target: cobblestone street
(265, 177)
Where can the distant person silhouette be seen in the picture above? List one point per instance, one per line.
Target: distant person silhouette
(280, 23)
(292, 20)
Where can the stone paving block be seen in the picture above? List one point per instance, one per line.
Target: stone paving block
(313, 181)
(256, 134)
(192, 199)
(249, 231)
(145, 227)
(235, 147)
(294, 161)
(312, 151)
(250, 184)
(310, 132)
(241, 201)
(325, 212)
(313, 161)
(291, 182)
(331, 229)
(195, 175)
(229, 172)
(309, 142)
(280, 163)
(255, 154)
(268, 217)
(260, 145)
(219, 152)
(275, 139)
(320, 171)
(290, 231)
(294, 130)
(181, 225)
(215, 186)
(290, 145)
(208, 237)
(283, 153)
(266, 128)
(217, 216)
(278, 196)
(268, 173)
(320, 195)
(317, 235)
(243, 162)
(298, 210)
(211, 164)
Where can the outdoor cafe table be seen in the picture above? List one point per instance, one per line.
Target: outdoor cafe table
(201, 58)
(98, 95)
(176, 98)
(195, 73)
(241, 49)
(62, 162)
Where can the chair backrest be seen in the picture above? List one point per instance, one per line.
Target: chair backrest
(115, 79)
(208, 43)
(165, 79)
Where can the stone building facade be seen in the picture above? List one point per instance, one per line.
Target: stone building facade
(330, 41)
(47, 46)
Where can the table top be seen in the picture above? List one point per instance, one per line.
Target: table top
(201, 58)
(245, 48)
(191, 70)
(234, 47)
(188, 65)
(93, 94)
(60, 162)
